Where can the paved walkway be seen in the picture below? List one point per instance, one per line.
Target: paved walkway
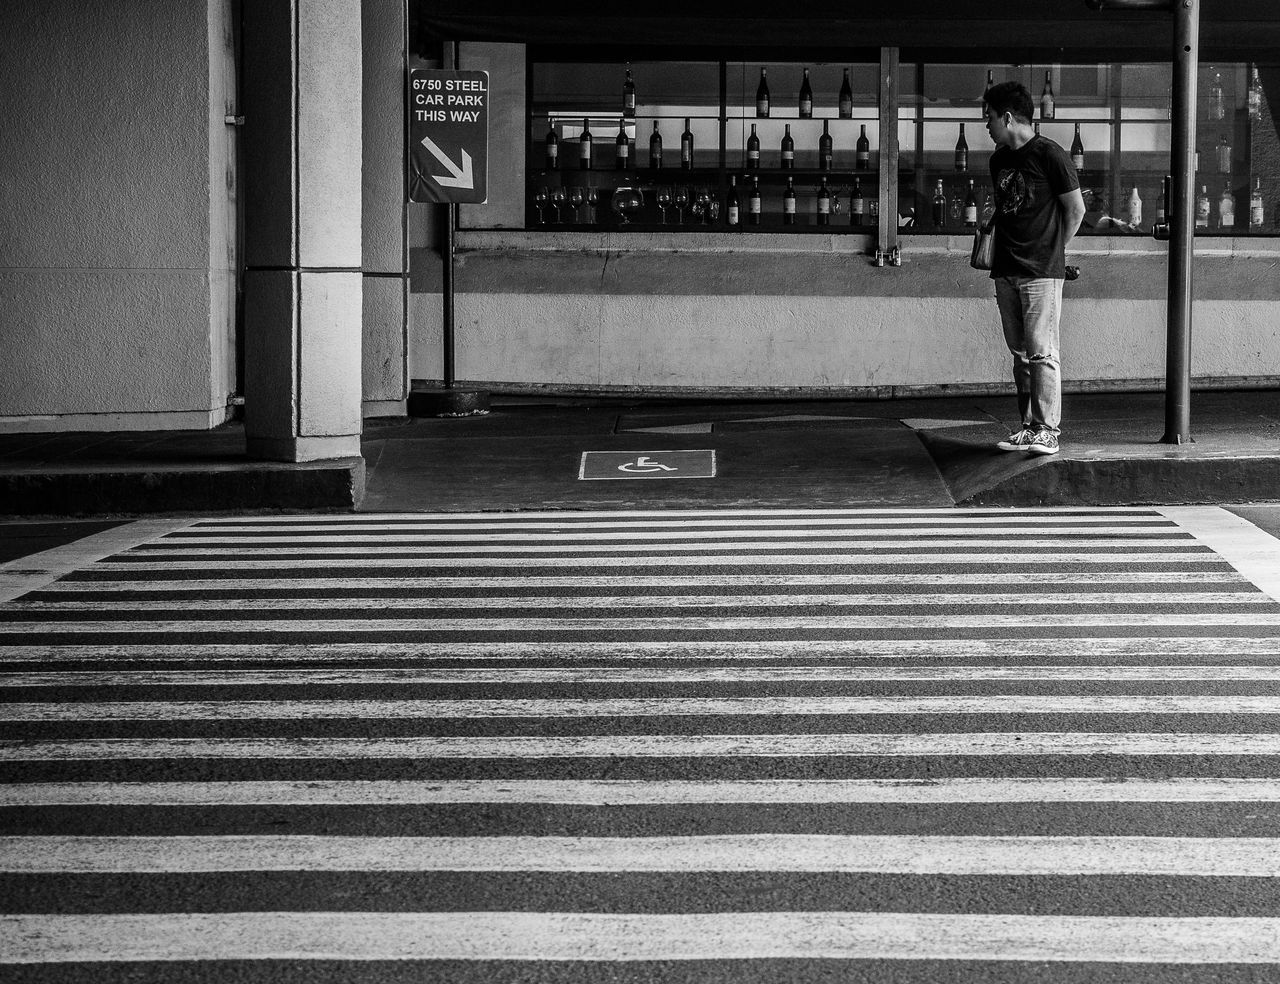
(529, 454)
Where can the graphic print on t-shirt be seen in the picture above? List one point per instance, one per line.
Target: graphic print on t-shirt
(1012, 191)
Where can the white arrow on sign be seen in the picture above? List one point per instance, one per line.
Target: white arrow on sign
(462, 176)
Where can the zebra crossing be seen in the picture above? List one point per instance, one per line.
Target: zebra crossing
(779, 745)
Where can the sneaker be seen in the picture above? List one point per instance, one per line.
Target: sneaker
(1019, 440)
(1042, 442)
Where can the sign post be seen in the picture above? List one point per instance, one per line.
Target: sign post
(448, 164)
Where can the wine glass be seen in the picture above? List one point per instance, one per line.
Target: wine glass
(540, 202)
(682, 202)
(593, 200)
(699, 205)
(557, 200)
(575, 201)
(704, 203)
(626, 200)
(664, 201)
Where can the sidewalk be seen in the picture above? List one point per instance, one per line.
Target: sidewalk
(528, 453)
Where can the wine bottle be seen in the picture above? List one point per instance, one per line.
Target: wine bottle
(939, 206)
(962, 151)
(753, 149)
(1134, 208)
(862, 152)
(824, 203)
(553, 147)
(789, 204)
(762, 96)
(1046, 97)
(1077, 151)
(629, 96)
(1226, 208)
(1202, 208)
(754, 204)
(825, 152)
(806, 97)
(686, 147)
(857, 204)
(1224, 156)
(1217, 104)
(622, 152)
(1255, 94)
(731, 206)
(584, 147)
(1256, 208)
(971, 208)
(991, 80)
(788, 149)
(846, 97)
(1037, 128)
(655, 148)
(1162, 209)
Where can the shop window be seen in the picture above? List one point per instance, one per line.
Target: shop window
(1115, 119)
(685, 146)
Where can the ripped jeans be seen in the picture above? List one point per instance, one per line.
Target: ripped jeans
(1029, 310)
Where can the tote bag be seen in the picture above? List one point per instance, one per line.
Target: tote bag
(984, 246)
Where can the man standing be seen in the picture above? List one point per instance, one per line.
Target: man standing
(1038, 208)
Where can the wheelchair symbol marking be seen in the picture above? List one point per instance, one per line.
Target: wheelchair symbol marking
(645, 465)
(651, 466)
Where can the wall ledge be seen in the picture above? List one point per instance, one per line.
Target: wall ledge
(858, 244)
(169, 420)
(890, 391)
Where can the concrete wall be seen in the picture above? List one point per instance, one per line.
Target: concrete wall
(117, 246)
(600, 312)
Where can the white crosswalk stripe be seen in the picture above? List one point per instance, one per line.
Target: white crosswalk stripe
(476, 744)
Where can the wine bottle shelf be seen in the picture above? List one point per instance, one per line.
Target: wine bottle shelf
(1125, 131)
(805, 172)
(815, 118)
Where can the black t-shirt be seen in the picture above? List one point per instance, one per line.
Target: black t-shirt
(1030, 234)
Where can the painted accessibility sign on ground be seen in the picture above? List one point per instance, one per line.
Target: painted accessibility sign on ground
(448, 135)
(603, 465)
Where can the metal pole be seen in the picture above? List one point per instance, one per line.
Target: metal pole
(1186, 53)
(447, 290)
(449, 213)
(887, 226)
(1181, 212)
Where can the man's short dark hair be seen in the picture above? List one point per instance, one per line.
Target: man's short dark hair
(1011, 97)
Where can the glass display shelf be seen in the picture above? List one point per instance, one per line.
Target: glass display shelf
(1120, 110)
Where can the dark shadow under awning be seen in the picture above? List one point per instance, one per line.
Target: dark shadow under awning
(1048, 25)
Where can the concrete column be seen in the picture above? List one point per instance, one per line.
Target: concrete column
(386, 252)
(302, 85)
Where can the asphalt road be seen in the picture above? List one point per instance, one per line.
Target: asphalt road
(849, 745)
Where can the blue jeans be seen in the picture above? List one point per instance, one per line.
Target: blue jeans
(1029, 310)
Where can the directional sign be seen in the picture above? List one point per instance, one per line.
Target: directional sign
(605, 465)
(448, 135)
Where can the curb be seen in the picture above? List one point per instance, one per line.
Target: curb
(268, 486)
